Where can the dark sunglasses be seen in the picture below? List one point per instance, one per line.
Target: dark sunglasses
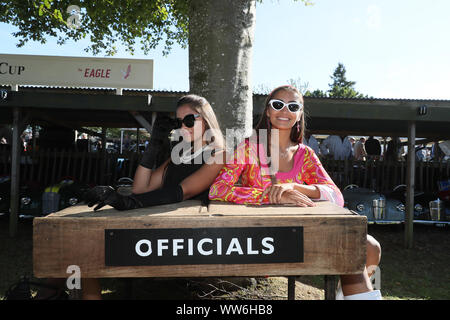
(188, 121)
(292, 106)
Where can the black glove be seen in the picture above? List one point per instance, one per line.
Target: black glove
(164, 195)
(148, 160)
(106, 195)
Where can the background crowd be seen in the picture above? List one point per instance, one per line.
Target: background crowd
(370, 149)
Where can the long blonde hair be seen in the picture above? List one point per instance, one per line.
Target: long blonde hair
(202, 106)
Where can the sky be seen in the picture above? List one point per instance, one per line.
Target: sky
(391, 49)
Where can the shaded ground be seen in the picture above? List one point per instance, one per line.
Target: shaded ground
(419, 273)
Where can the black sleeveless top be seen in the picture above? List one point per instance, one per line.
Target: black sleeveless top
(175, 173)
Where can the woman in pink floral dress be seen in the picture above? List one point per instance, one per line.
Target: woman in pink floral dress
(273, 166)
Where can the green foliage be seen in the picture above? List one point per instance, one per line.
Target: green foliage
(104, 22)
(341, 87)
(316, 93)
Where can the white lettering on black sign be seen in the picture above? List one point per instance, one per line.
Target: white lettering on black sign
(139, 247)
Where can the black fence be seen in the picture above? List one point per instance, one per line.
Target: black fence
(48, 167)
(383, 176)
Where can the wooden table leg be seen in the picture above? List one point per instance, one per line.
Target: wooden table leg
(291, 288)
(330, 287)
(129, 288)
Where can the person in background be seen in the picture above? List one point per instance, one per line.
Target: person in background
(311, 142)
(373, 149)
(421, 153)
(359, 150)
(5, 134)
(352, 142)
(336, 147)
(436, 152)
(392, 151)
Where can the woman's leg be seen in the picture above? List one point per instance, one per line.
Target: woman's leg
(373, 255)
(91, 289)
(360, 283)
(356, 283)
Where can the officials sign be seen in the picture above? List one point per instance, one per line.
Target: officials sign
(139, 247)
(76, 71)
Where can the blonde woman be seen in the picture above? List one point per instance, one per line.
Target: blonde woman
(187, 174)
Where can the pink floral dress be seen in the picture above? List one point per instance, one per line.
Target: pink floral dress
(255, 176)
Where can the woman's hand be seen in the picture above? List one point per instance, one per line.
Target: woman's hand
(295, 197)
(286, 193)
(275, 191)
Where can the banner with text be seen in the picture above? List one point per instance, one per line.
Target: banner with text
(76, 71)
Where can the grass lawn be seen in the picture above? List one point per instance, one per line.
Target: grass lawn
(418, 273)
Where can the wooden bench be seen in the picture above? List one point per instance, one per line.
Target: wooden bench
(284, 241)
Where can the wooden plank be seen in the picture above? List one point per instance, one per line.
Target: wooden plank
(330, 287)
(55, 160)
(411, 171)
(76, 158)
(90, 155)
(69, 161)
(47, 169)
(219, 208)
(396, 169)
(115, 168)
(402, 172)
(377, 165)
(61, 161)
(131, 160)
(40, 165)
(97, 167)
(188, 207)
(291, 288)
(333, 244)
(366, 173)
(420, 184)
(83, 161)
(352, 171)
(15, 174)
(33, 164)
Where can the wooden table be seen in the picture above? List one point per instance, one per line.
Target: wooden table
(332, 240)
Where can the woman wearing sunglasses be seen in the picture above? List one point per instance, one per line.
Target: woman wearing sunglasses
(298, 179)
(185, 175)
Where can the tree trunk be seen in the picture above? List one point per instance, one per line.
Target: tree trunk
(221, 34)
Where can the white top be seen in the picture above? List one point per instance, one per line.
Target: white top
(334, 145)
(313, 144)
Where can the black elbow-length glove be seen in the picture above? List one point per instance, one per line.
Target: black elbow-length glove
(106, 195)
